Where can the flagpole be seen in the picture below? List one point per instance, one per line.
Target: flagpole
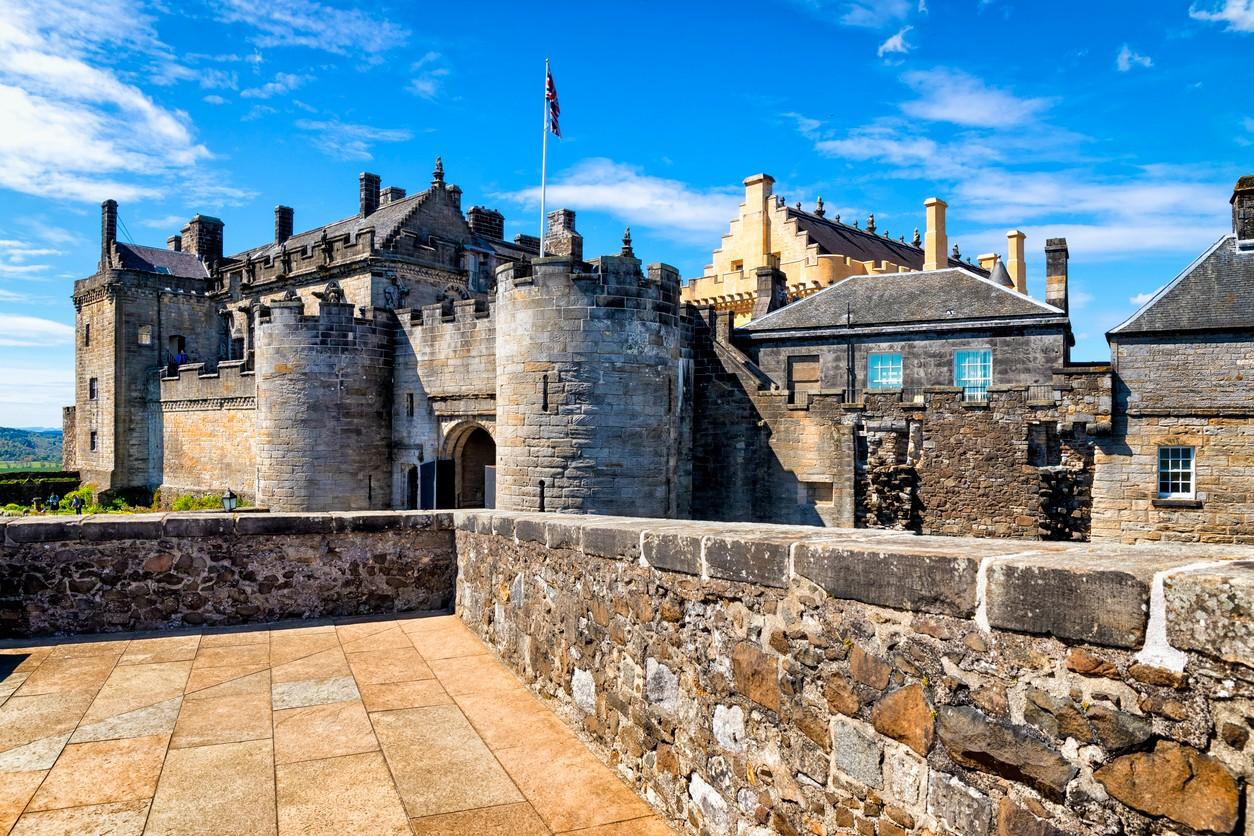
(544, 153)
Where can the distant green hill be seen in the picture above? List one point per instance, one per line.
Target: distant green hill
(29, 449)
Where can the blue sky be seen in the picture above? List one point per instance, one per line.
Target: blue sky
(1114, 124)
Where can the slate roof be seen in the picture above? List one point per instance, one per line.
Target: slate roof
(836, 238)
(1215, 292)
(950, 295)
(163, 261)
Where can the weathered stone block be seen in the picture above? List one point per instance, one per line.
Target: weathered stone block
(198, 525)
(894, 576)
(748, 560)
(676, 552)
(121, 527)
(249, 524)
(1177, 782)
(757, 675)
(965, 810)
(42, 530)
(976, 742)
(1212, 611)
(906, 715)
(614, 540)
(856, 752)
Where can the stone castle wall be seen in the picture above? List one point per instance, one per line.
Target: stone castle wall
(593, 388)
(208, 431)
(153, 571)
(1194, 391)
(754, 679)
(324, 409)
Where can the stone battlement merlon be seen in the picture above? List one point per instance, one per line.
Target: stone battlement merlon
(301, 261)
(231, 379)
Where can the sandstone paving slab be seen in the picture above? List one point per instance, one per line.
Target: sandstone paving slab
(152, 719)
(429, 622)
(313, 692)
(235, 637)
(364, 799)
(568, 786)
(71, 648)
(353, 630)
(164, 649)
(438, 762)
(68, 673)
(322, 731)
(226, 719)
(322, 664)
(10, 684)
(505, 820)
(101, 772)
(16, 789)
(216, 682)
(137, 686)
(25, 719)
(285, 647)
(448, 643)
(120, 818)
(508, 718)
(232, 655)
(469, 674)
(388, 696)
(398, 664)
(647, 826)
(392, 637)
(227, 788)
(39, 754)
(23, 660)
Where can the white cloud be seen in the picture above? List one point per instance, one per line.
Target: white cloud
(75, 129)
(18, 259)
(214, 99)
(922, 6)
(1238, 14)
(895, 43)
(1127, 59)
(307, 23)
(283, 83)
(175, 222)
(431, 75)
(33, 391)
(874, 14)
(347, 141)
(18, 330)
(947, 95)
(1141, 298)
(624, 191)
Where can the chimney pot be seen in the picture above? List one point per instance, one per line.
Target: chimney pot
(368, 193)
(486, 222)
(561, 237)
(108, 232)
(935, 242)
(1056, 258)
(283, 216)
(1015, 264)
(175, 243)
(390, 195)
(203, 236)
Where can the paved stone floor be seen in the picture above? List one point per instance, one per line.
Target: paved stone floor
(382, 726)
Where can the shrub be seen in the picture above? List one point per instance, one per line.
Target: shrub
(197, 503)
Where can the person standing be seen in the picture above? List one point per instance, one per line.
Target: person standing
(77, 504)
(54, 503)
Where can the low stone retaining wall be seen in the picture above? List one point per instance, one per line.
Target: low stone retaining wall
(753, 679)
(150, 571)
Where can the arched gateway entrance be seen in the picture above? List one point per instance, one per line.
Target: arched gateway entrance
(474, 460)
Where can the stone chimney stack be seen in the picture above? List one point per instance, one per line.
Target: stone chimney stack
(562, 239)
(108, 232)
(175, 243)
(368, 193)
(486, 222)
(987, 260)
(1243, 209)
(1015, 265)
(757, 216)
(772, 291)
(282, 223)
(935, 242)
(1056, 257)
(203, 236)
(390, 195)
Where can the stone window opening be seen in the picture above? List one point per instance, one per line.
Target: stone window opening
(1176, 473)
(409, 404)
(820, 493)
(145, 335)
(87, 333)
(544, 394)
(93, 440)
(91, 388)
(803, 376)
(1044, 448)
(973, 373)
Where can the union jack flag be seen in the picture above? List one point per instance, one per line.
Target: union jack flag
(550, 95)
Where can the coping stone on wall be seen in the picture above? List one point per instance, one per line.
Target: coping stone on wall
(1212, 611)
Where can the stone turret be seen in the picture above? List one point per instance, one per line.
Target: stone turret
(592, 406)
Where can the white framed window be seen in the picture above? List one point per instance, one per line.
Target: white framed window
(973, 372)
(883, 370)
(1176, 473)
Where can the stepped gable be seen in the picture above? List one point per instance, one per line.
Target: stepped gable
(836, 238)
(1215, 292)
(955, 295)
(161, 261)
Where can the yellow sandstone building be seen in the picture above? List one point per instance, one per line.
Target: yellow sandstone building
(815, 251)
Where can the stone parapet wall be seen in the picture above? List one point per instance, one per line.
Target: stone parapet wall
(754, 679)
(151, 571)
(231, 385)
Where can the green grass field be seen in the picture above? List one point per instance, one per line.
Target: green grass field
(11, 466)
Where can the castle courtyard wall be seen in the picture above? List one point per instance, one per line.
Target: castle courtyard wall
(209, 432)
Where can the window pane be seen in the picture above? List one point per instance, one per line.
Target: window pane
(973, 371)
(884, 370)
(1175, 472)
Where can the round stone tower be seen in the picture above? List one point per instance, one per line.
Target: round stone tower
(323, 407)
(591, 394)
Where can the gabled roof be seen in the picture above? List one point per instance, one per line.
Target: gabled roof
(836, 238)
(161, 261)
(1215, 292)
(951, 295)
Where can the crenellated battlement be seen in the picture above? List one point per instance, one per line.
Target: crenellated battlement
(302, 256)
(230, 382)
(610, 282)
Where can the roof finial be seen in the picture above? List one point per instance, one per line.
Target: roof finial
(916, 240)
(837, 217)
(855, 223)
(870, 223)
(818, 207)
(798, 205)
(627, 250)
(437, 176)
(957, 255)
